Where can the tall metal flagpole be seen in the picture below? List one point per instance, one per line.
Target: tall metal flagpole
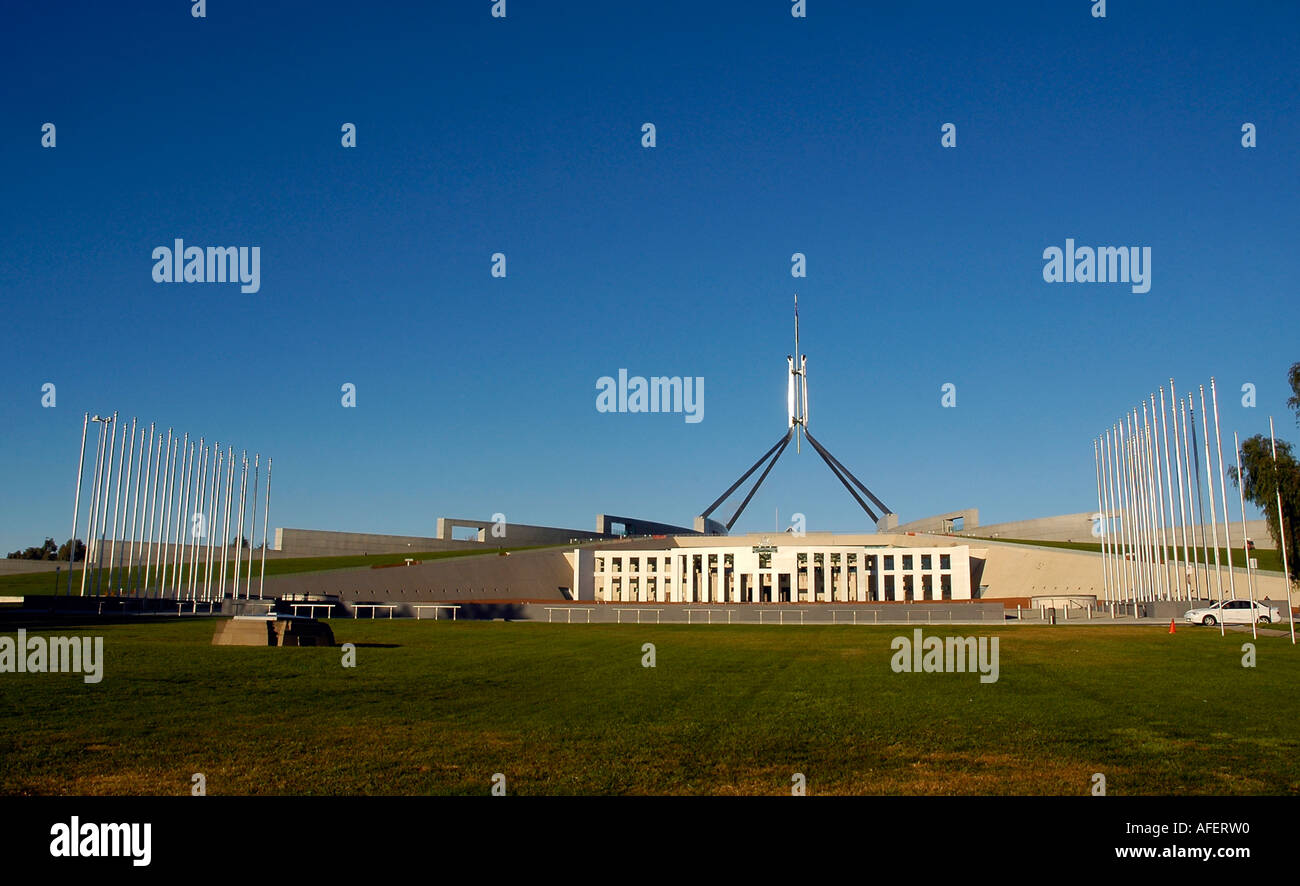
(182, 524)
(90, 514)
(117, 503)
(1281, 530)
(182, 489)
(1182, 510)
(252, 529)
(1144, 502)
(1116, 564)
(1191, 507)
(177, 455)
(178, 483)
(1152, 467)
(225, 534)
(1121, 501)
(196, 511)
(266, 516)
(239, 531)
(1214, 520)
(1200, 495)
(1169, 490)
(1223, 492)
(164, 481)
(103, 522)
(1107, 542)
(200, 510)
(126, 506)
(1130, 521)
(214, 509)
(1157, 447)
(135, 515)
(146, 545)
(1101, 518)
(76, 503)
(1241, 496)
(1139, 566)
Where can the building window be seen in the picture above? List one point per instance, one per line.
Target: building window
(765, 560)
(926, 561)
(889, 564)
(945, 585)
(889, 588)
(907, 588)
(907, 562)
(945, 561)
(927, 587)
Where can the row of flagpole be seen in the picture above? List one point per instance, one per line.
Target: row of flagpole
(164, 518)
(1137, 465)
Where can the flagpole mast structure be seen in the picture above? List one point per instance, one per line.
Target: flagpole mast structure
(796, 425)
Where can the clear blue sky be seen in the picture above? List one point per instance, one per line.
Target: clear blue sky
(775, 135)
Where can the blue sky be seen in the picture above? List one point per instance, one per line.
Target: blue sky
(775, 135)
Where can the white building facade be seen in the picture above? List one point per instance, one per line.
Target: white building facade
(782, 573)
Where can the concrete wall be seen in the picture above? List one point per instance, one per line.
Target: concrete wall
(515, 534)
(324, 543)
(942, 523)
(1078, 527)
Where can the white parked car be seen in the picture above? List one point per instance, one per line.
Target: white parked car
(1232, 612)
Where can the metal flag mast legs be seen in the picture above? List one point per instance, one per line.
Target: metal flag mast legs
(796, 424)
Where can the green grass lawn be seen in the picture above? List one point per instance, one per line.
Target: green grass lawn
(1269, 560)
(438, 707)
(45, 582)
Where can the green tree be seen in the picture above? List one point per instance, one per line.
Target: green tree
(81, 550)
(1293, 377)
(1262, 481)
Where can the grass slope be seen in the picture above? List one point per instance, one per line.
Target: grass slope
(437, 708)
(45, 582)
(1269, 560)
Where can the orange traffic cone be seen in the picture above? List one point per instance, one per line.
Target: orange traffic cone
(1171, 626)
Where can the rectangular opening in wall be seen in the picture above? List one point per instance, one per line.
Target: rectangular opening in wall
(907, 562)
(889, 588)
(958, 524)
(927, 587)
(927, 561)
(945, 561)
(908, 590)
(945, 585)
(465, 533)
